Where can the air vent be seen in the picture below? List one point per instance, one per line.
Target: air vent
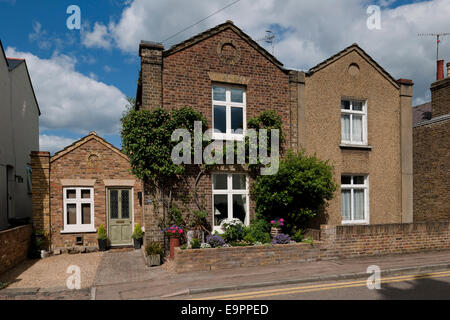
(79, 241)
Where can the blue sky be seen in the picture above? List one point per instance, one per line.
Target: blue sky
(82, 77)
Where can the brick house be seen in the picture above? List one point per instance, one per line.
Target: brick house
(432, 154)
(81, 187)
(347, 109)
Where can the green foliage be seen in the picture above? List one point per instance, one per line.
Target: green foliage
(175, 217)
(309, 240)
(199, 220)
(297, 192)
(101, 233)
(137, 234)
(233, 233)
(195, 243)
(154, 248)
(297, 236)
(258, 231)
(146, 140)
(183, 247)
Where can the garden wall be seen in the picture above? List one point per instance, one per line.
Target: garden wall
(368, 240)
(14, 244)
(241, 257)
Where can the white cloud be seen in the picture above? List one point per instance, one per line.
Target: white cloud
(70, 100)
(98, 38)
(39, 36)
(53, 143)
(312, 30)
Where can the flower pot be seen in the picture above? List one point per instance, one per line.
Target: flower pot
(102, 243)
(154, 260)
(137, 243)
(174, 242)
(44, 254)
(274, 231)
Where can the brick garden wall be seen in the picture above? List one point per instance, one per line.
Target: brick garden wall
(241, 257)
(14, 244)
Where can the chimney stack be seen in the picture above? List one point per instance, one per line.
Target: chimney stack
(440, 70)
(448, 69)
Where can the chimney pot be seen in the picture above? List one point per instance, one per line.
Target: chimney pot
(440, 70)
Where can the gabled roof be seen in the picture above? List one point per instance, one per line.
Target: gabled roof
(354, 48)
(217, 29)
(91, 136)
(422, 112)
(12, 63)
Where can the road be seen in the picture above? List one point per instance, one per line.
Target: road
(427, 286)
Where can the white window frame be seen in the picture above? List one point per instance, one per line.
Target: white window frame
(78, 201)
(353, 187)
(228, 104)
(352, 112)
(230, 192)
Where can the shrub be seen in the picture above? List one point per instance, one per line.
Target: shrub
(195, 243)
(258, 231)
(297, 192)
(234, 233)
(309, 240)
(298, 236)
(241, 243)
(281, 239)
(215, 241)
(137, 234)
(101, 233)
(154, 248)
(199, 221)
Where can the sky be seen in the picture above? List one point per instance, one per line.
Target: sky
(83, 77)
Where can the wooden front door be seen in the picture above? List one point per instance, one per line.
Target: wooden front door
(120, 216)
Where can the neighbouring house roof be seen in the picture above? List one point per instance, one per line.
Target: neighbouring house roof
(354, 48)
(91, 136)
(217, 29)
(13, 63)
(422, 113)
(445, 117)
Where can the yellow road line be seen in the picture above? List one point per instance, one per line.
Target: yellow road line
(320, 287)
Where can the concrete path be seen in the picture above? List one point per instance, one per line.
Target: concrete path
(156, 283)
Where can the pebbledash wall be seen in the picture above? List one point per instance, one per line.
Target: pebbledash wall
(336, 242)
(14, 244)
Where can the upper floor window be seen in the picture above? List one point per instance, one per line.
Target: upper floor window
(78, 209)
(354, 122)
(355, 199)
(229, 108)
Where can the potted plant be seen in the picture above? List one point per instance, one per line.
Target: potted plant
(276, 227)
(102, 238)
(174, 233)
(137, 236)
(154, 251)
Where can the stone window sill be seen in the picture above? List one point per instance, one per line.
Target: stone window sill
(355, 147)
(78, 231)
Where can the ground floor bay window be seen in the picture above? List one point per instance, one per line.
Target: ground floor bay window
(230, 198)
(355, 199)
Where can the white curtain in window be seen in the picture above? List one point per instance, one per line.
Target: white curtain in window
(358, 204)
(357, 129)
(345, 127)
(346, 205)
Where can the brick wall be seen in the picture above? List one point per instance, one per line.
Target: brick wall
(369, 240)
(241, 257)
(431, 172)
(14, 244)
(40, 166)
(440, 97)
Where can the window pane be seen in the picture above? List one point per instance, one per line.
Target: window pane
(237, 120)
(220, 182)
(357, 105)
(86, 213)
(71, 194)
(71, 213)
(239, 207)
(85, 194)
(237, 95)
(357, 128)
(346, 205)
(345, 105)
(358, 180)
(125, 204)
(219, 94)
(113, 204)
(220, 209)
(220, 119)
(239, 182)
(346, 180)
(345, 127)
(358, 204)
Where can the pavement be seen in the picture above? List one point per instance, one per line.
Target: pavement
(168, 285)
(122, 275)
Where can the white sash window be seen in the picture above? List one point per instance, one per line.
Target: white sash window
(355, 199)
(78, 209)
